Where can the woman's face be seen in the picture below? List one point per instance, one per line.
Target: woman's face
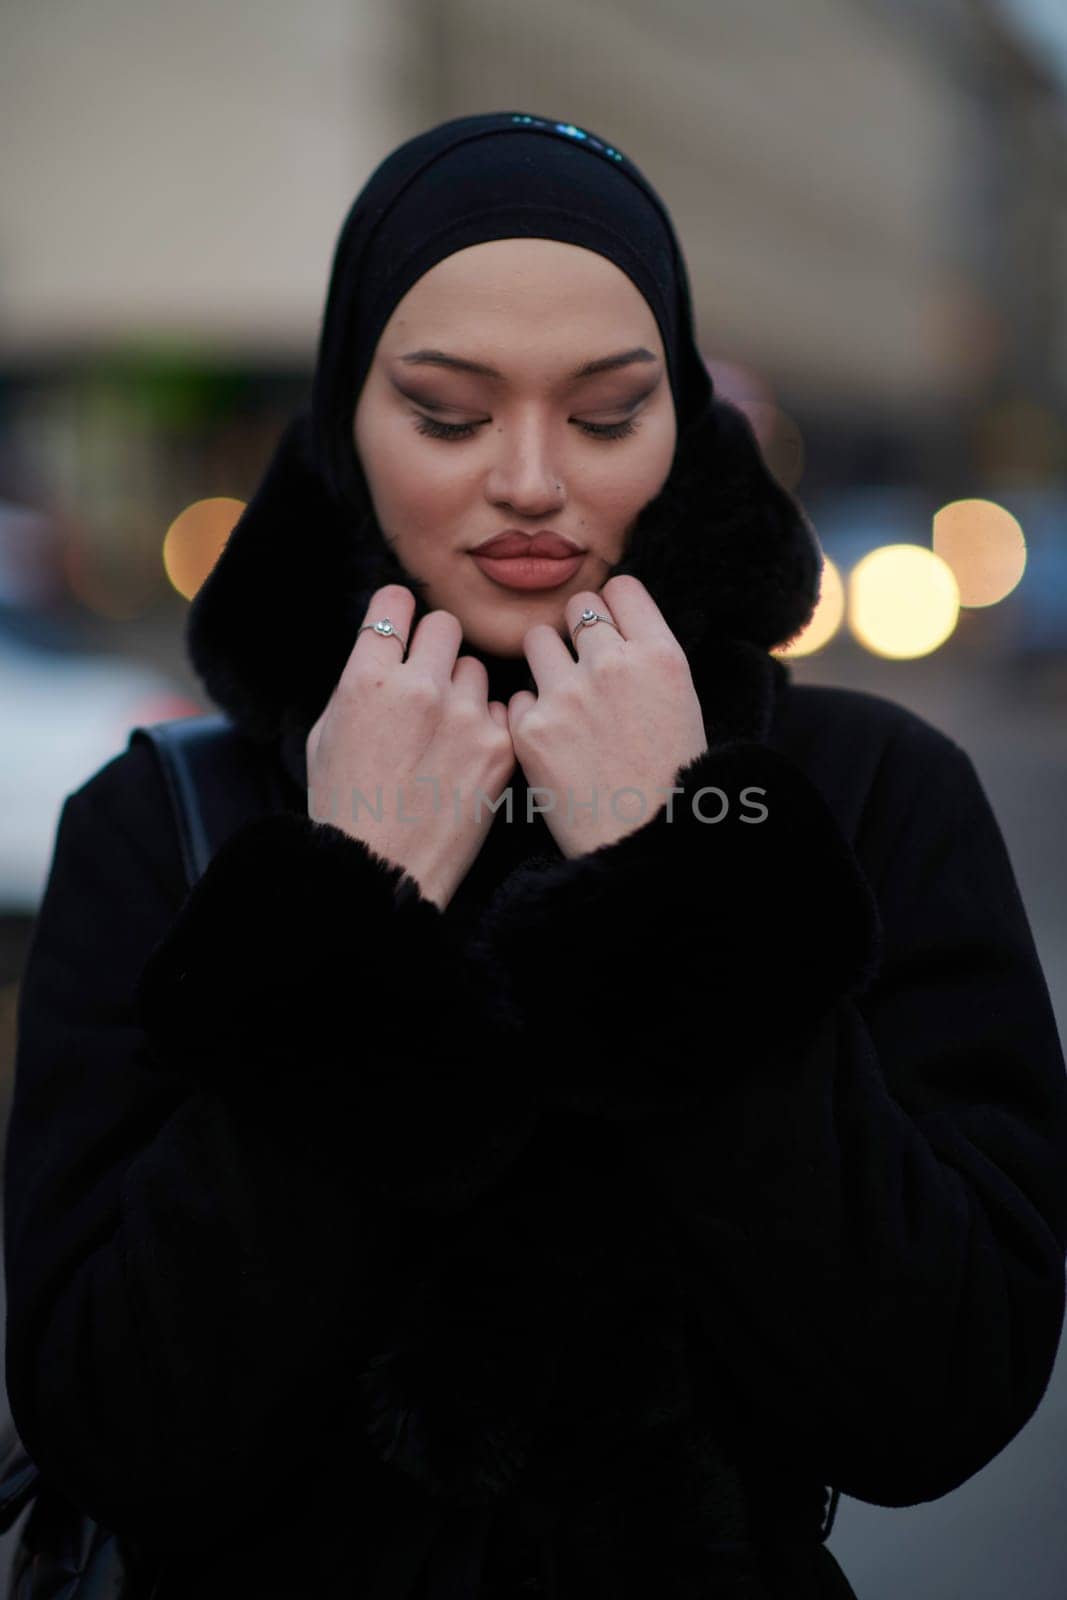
(525, 457)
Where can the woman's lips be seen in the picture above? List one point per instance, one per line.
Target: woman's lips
(529, 572)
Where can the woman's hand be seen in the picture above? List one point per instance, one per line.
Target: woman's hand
(619, 722)
(416, 739)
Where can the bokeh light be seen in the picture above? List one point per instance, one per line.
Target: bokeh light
(985, 547)
(195, 540)
(903, 601)
(825, 619)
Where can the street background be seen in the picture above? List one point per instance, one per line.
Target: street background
(872, 198)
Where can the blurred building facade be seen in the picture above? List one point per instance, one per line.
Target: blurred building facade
(866, 190)
(871, 195)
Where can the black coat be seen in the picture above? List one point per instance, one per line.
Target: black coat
(591, 1230)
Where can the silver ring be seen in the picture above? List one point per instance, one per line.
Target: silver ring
(587, 619)
(385, 628)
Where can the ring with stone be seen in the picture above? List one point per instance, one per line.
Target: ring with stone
(587, 619)
(385, 628)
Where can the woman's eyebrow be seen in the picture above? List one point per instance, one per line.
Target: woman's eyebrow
(440, 358)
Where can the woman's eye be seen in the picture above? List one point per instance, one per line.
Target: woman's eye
(443, 430)
(463, 430)
(610, 430)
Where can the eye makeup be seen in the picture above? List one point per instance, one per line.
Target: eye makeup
(436, 429)
(464, 430)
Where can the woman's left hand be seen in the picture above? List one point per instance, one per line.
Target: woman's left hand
(617, 724)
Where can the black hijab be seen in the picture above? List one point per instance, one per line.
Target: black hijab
(724, 549)
(496, 176)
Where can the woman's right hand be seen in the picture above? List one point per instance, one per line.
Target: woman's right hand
(392, 720)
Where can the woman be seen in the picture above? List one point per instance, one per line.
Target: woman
(551, 1199)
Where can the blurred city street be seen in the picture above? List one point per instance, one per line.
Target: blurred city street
(1004, 1531)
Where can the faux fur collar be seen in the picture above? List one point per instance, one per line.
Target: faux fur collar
(727, 553)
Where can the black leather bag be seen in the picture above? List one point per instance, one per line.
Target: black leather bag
(216, 780)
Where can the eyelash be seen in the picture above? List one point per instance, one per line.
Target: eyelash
(463, 430)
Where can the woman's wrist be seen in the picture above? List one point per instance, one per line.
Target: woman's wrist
(421, 887)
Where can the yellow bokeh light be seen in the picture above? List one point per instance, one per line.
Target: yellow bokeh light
(985, 547)
(903, 601)
(195, 540)
(825, 619)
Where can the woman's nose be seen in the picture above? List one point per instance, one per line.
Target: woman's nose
(524, 475)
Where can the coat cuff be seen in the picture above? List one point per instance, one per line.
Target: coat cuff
(302, 956)
(713, 935)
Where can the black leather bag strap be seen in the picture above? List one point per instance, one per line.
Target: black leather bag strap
(216, 779)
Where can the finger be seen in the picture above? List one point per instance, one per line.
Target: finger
(548, 656)
(470, 678)
(520, 703)
(499, 713)
(592, 636)
(634, 609)
(311, 744)
(435, 645)
(392, 604)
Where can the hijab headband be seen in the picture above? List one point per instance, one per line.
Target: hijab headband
(492, 176)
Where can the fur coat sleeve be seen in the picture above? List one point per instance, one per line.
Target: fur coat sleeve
(834, 1063)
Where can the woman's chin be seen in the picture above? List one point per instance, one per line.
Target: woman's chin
(506, 641)
(507, 649)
